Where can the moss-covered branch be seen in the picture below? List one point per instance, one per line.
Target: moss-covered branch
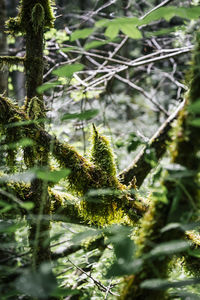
(63, 208)
(85, 175)
(141, 166)
(10, 61)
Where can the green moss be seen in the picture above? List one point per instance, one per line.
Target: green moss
(10, 61)
(102, 153)
(37, 16)
(28, 11)
(35, 108)
(147, 237)
(9, 115)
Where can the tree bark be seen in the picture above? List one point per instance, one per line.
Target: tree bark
(3, 49)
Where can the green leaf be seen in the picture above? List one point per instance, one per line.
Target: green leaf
(95, 44)
(194, 107)
(8, 226)
(79, 237)
(102, 23)
(112, 31)
(162, 284)
(40, 284)
(81, 34)
(68, 70)
(53, 176)
(86, 115)
(26, 142)
(170, 11)
(194, 252)
(169, 248)
(46, 86)
(164, 31)
(131, 31)
(67, 49)
(122, 268)
(195, 123)
(27, 205)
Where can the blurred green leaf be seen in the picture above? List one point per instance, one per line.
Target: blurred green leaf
(95, 44)
(86, 115)
(165, 31)
(79, 237)
(8, 226)
(121, 268)
(25, 142)
(27, 205)
(112, 31)
(194, 107)
(131, 31)
(46, 86)
(171, 247)
(195, 123)
(68, 70)
(194, 252)
(53, 176)
(39, 284)
(67, 49)
(81, 34)
(169, 12)
(162, 284)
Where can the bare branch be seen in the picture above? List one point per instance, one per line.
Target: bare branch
(96, 282)
(138, 88)
(140, 167)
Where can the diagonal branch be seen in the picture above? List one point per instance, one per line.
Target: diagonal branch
(141, 167)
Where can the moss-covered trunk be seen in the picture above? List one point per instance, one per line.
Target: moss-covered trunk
(33, 14)
(181, 195)
(3, 48)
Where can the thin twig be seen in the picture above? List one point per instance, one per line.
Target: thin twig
(138, 88)
(98, 283)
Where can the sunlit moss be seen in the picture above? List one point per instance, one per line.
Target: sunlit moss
(102, 154)
(35, 108)
(37, 16)
(7, 61)
(40, 9)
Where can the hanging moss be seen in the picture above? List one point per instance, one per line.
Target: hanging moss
(10, 61)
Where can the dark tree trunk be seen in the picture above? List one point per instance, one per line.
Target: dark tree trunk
(3, 48)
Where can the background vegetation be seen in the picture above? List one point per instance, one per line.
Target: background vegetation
(99, 142)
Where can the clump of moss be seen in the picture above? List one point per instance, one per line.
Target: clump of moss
(10, 114)
(32, 13)
(102, 153)
(35, 108)
(37, 16)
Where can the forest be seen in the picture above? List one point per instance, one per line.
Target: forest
(99, 149)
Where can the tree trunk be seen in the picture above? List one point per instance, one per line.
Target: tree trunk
(3, 48)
